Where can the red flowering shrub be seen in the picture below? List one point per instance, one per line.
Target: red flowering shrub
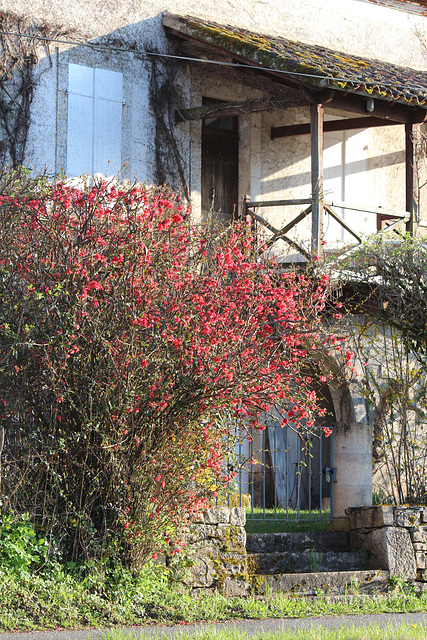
(123, 333)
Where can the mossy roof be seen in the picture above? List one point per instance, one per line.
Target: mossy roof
(312, 65)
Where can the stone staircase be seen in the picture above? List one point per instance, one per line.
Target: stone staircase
(311, 563)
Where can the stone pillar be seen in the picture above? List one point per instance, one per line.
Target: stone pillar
(352, 456)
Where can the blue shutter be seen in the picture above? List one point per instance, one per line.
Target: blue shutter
(95, 99)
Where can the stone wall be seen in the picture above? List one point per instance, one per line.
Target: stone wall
(216, 551)
(394, 537)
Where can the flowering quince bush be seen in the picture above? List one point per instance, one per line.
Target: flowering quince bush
(124, 332)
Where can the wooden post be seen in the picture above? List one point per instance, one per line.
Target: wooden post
(249, 223)
(244, 208)
(316, 130)
(411, 184)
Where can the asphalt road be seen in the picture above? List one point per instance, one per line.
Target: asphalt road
(249, 626)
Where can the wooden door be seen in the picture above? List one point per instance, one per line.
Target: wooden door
(220, 169)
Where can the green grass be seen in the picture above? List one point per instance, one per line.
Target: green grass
(371, 632)
(281, 520)
(98, 601)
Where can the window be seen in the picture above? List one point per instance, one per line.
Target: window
(94, 134)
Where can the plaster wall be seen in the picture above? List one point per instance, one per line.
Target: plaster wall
(361, 167)
(47, 140)
(351, 25)
(269, 169)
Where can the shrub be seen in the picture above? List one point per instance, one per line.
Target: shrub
(124, 332)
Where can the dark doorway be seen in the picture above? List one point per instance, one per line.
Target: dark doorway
(220, 169)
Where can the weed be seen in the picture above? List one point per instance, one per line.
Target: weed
(315, 560)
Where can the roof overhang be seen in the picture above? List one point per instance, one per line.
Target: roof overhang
(341, 80)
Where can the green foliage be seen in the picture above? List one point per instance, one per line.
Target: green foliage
(395, 274)
(65, 600)
(381, 497)
(22, 551)
(260, 520)
(388, 281)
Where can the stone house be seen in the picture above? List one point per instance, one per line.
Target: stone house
(306, 116)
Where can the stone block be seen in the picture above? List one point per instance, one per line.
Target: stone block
(420, 560)
(358, 538)
(419, 546)
(341, 582)
(418, 535)
(353, 459)
(232, 536)
(233, 563)
(200, 533)
(238, 516)
(233, 588)
(408, 516)
(197, 517)
(422, 575)
(338, 524)
(371, 517)
(217, 515)
(201, 572)
(391, 549)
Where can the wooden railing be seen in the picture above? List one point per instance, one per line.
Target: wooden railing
(250, 209)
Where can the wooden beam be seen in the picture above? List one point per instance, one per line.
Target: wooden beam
(331, 125)
(316, 128)
(258, 204)
(410, 178)
(291, 224)
(379, 211)
(342, 222)
(296, 246)
(385, 109)
(278, 234)
(223, 109)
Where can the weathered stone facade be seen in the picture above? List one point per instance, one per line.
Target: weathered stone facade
(394, 537)
(217, 552)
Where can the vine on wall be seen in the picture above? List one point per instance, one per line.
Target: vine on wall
(164, 100)
(21, 43)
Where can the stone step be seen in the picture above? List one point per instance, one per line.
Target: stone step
(297, 541)
(306, 561)
(329, 583)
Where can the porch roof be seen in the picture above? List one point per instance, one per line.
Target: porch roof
(310, 65)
